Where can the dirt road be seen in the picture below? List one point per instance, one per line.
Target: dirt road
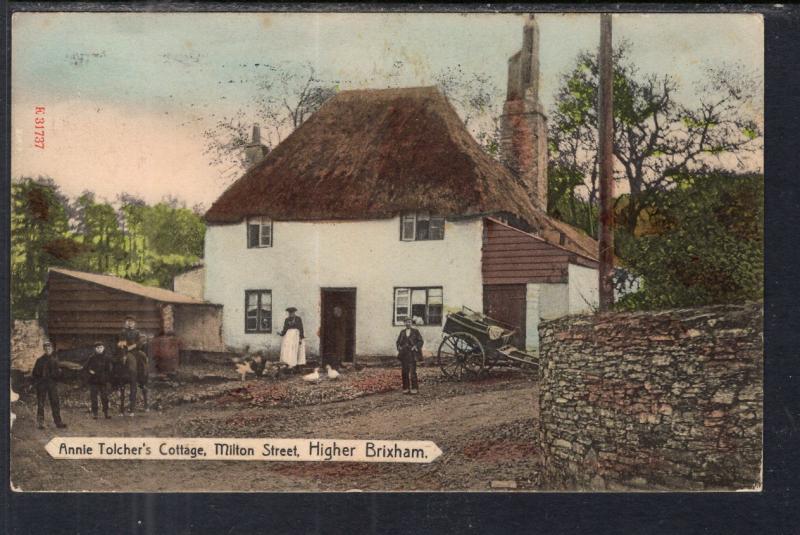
(485, 430)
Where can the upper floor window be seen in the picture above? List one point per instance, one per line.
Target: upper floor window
(259, 232)
(421, 226)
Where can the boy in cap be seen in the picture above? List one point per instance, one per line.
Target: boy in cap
(98, 369)
(45, 373)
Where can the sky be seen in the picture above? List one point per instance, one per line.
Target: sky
(127, 96)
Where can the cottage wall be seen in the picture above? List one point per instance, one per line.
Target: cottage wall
(583, 291)
(199, 328)
(366, 255)
(190, 283)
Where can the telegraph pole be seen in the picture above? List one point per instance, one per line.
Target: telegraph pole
(605, 116)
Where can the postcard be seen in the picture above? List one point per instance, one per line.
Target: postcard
(488, 252)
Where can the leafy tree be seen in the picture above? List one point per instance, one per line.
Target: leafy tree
(706, 245)
(39, 240)
(656, 137)
(98, 230)
(147, 244)
(131, 215)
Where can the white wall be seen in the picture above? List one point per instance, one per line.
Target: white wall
(583, 289)
(366, 255)
(553, 300)
(190, 283)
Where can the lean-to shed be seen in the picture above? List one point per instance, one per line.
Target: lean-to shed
(82, 307)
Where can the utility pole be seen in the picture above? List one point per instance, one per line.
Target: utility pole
(605, 116)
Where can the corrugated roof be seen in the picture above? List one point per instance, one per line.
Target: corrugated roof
(127, 286)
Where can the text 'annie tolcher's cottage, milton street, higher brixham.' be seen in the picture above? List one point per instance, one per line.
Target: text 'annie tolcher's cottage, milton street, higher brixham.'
(381, 206)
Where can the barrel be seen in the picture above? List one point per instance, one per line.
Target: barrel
(166, 353)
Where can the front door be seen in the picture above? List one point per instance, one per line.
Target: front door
(506, 303)
(338, 329)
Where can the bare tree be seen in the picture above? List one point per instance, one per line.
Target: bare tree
(656, 137)
(285, 98)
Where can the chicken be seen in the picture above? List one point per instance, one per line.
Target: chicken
(258, 364)
(332, 374)
(312, 377)
(243, 368)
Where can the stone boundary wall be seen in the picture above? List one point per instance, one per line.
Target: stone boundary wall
(668, 400)
(27, 337)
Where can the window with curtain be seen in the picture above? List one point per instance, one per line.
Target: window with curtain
(259, 232)
(258, 311)
(421, 226)
(422, 304)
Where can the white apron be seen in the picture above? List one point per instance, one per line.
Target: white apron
(293, 350)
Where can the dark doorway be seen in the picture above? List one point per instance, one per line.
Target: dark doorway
(506, 303)
(338, 329)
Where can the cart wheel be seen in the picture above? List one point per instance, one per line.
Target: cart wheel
(461, 356)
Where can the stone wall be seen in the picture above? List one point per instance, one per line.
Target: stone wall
(662, 400)
(26, 344)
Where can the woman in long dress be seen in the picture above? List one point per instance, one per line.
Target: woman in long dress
(293, 347)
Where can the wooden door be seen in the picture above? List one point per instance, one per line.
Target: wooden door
(338, 329)
(506, 303)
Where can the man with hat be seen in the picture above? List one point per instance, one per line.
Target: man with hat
(409, 350)
(45, 373)
(98, 370)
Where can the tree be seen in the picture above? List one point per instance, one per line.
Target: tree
(656, 137)
(474, 96)
(97, 228)
(131, 214)
(286, 97)
(39, 240)
(706, 246)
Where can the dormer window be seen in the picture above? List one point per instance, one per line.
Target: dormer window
(259, 232)
(421, 226)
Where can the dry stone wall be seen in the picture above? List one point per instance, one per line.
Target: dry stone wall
(26, 344)
(664, 400)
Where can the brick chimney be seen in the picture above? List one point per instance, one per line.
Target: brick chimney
(523, 125)
(254, 151)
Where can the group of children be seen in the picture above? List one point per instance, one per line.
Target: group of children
(98, 372)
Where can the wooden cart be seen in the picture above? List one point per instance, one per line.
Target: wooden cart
(474, 343)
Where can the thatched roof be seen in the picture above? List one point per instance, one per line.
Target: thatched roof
(371, 154)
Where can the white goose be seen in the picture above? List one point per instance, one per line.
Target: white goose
(332, 374)
(312, 377)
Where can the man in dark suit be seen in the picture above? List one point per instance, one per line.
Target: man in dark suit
(409, 350)
(45, 374)
(98, 371)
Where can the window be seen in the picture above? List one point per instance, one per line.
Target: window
(258, 311)
(423, 304)
(421, 226)
(259, 232)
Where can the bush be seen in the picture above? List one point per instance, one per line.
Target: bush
(707, 246)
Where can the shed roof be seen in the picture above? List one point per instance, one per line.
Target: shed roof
(127, 286)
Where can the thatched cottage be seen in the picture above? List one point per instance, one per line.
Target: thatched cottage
(380, 206)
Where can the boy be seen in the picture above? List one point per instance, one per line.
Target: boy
(45, 373)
